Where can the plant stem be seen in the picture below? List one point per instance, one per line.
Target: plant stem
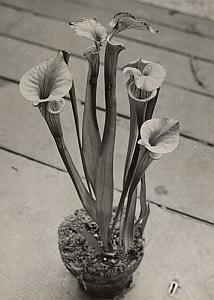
(142, 105)
(144, 161)
(54, 124)
(72, 95)
(91, 141)
(104, 177)
(132, 137)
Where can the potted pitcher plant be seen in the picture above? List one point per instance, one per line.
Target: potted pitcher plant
(102, 244)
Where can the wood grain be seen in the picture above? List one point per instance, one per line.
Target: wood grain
(35, 199)
(17, 57)
(181, 180)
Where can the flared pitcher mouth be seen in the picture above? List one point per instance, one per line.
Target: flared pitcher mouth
(152, 95)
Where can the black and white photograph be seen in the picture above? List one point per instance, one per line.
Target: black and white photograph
(106, 149)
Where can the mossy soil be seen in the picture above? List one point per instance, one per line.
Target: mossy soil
(79, 256)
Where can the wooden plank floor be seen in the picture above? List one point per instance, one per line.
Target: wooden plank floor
(31, 267)
(181, 98)
(180, 233)
(198, 8)
(35, 141)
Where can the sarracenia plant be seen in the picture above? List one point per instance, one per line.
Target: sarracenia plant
(48, 83)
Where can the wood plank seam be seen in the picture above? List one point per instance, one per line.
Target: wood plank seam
(172, 10)
(128, 38)
(172, 210)
(177, 28)
(82, 58)
(169, 12)
(186, 63)
(99, 108)
(166, 48)
(169, 209)
(31, 158)
(190, 193)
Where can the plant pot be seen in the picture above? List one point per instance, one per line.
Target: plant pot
(99, 275)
